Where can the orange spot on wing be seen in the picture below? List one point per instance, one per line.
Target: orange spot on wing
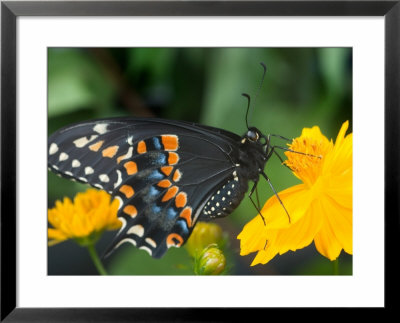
(170, 142)
(164, 183)
(170, 193)
(173, 158)
(181, 199)
(167, 170)
(110, 151)
(187, 215)
(127, 190)
(131, 167)
(177, 175)
(141, 147)
(174, 240)
(130, 210)
(96, 146)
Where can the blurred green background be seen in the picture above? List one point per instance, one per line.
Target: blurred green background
(303, 87)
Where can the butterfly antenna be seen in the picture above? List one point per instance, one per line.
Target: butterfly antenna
(248, 107)
(258, 92)
(262, 80)
(261, 83)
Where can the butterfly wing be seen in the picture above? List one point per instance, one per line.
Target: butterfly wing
(162, 171)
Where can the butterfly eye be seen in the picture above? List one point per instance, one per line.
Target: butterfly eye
(252, 135)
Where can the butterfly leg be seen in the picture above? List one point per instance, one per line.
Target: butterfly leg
(276, 194)
(273, 151)
(258, 200)
(257, 208)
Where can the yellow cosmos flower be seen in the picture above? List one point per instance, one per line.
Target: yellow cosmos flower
(320, 208)
(89, 214)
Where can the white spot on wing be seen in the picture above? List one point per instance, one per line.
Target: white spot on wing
(130, 140)
(63, 156)
(53, 149)
(100, 128)
(76, 163)
(128, 154)
(146, 249)
(119, 180)
(120, 201)
(82, 142)
(136, 229)
(151, 242)
(125, 240)
(104, 178)
(123, 221)
(89, 170)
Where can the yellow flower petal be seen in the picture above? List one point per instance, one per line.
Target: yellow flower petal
(296, 236)
(56, 234)
(296, 200)
(326, 242)
(341, 221)
(253, 236)
(341, 191)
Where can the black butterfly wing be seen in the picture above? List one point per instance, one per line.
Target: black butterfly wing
(163, 172)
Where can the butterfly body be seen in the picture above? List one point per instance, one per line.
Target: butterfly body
(166, 174)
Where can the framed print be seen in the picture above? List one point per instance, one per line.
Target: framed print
(217, 141)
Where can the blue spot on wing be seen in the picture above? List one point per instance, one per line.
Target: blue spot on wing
(157, 143)
(156, 209)
(181, 228)
(171, 213)
(156, 175)
(154, 191)
(162, 159)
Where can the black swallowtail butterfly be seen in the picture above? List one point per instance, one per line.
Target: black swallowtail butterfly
(167, 174)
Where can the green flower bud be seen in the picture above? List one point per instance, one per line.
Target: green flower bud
(204, 234)
(211, 261)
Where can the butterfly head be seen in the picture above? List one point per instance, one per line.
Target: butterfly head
(257, 139)
(256, 136)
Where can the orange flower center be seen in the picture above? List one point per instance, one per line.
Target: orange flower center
(307, 168)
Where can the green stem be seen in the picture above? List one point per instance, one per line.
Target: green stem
(96, 259)
(335, 266)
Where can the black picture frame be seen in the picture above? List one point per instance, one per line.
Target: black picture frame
(11, 10)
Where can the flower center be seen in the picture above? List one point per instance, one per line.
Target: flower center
(308, 168)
